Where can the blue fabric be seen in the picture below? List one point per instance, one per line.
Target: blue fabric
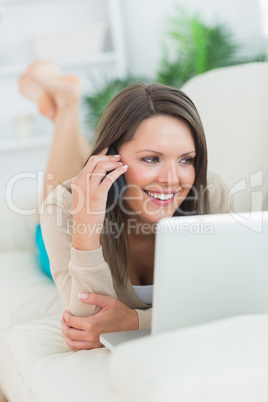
(42, 252)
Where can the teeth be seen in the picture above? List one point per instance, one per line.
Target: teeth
(160, 196)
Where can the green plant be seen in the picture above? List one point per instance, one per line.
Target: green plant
(196, 47)
(95, 104)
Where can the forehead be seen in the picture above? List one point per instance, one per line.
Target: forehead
(162, 131)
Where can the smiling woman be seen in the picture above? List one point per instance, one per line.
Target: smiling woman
(98, 252)
(161, 175)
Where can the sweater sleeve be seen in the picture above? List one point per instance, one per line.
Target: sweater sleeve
(73, 271)
(218, 195)
(89, 273)
(145, 318)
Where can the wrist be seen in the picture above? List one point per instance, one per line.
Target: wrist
(83, 243)
(134, 320)
(68, 111)
(86, 236)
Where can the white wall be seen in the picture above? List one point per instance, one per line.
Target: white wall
(145, 23)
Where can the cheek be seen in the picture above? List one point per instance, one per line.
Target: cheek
(138, 176)
(187, 176)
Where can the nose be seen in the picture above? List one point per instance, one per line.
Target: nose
(169, 174)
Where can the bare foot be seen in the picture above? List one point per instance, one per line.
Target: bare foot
(44, 83)
(63, 89)
(32, 90)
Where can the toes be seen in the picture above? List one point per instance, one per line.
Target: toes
(46, 106)
(29, 88)
(43, 68)
(45, 84)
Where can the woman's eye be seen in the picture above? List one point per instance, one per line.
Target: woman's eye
(151, 159)
(187, 161)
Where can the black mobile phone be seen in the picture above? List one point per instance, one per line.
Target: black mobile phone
(119, 186)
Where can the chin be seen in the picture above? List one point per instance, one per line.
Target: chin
(152, 219)
(151, 215)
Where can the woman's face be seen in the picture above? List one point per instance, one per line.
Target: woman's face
(160, 159)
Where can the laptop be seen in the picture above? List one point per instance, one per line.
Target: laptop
(207, 267)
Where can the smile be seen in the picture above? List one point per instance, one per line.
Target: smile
(160, 196)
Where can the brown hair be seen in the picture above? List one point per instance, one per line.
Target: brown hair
(118, 125)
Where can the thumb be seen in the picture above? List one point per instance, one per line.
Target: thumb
(95, 299)
(104, 151)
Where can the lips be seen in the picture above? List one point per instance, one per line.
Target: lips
(160, 196)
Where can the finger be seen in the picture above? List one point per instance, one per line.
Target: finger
(107, 182)
(104, 151)
(72, 333)
(101, 157)
(77, 339)
(98, 300)
(80, 323)
(101, 170)
(77, 345)
(95, 160)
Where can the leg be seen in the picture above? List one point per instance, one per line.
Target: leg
(68, 151)
(58, 97)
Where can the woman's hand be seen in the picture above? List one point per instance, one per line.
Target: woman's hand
(89, 197)
(84, 332)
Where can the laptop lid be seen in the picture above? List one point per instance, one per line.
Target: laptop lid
(209, 267)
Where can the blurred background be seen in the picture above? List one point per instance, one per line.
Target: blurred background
(109, 44)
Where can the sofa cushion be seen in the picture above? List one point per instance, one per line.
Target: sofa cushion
(233, 104)
(17, 226)
(26, 293)
(223, 361)
(35, 365)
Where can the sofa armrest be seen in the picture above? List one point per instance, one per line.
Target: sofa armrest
(17, 225)
(223, 361)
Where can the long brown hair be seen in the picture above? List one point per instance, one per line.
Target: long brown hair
(118, 125)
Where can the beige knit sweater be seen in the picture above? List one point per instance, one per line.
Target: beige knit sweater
(75, 271)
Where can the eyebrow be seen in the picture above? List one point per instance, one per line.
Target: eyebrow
(160, 153)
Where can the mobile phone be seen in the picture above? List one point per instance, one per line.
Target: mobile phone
(119, 186)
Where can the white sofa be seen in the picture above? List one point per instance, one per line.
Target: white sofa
(222, 361)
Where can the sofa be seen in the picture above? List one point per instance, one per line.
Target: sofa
(226, 360)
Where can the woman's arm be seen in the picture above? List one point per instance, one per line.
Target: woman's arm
(71, 230)
(73, 271)
(145, 318)
(71, 223)
(84, 332)
(218, 195)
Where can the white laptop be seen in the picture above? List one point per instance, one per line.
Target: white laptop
(207, 268)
